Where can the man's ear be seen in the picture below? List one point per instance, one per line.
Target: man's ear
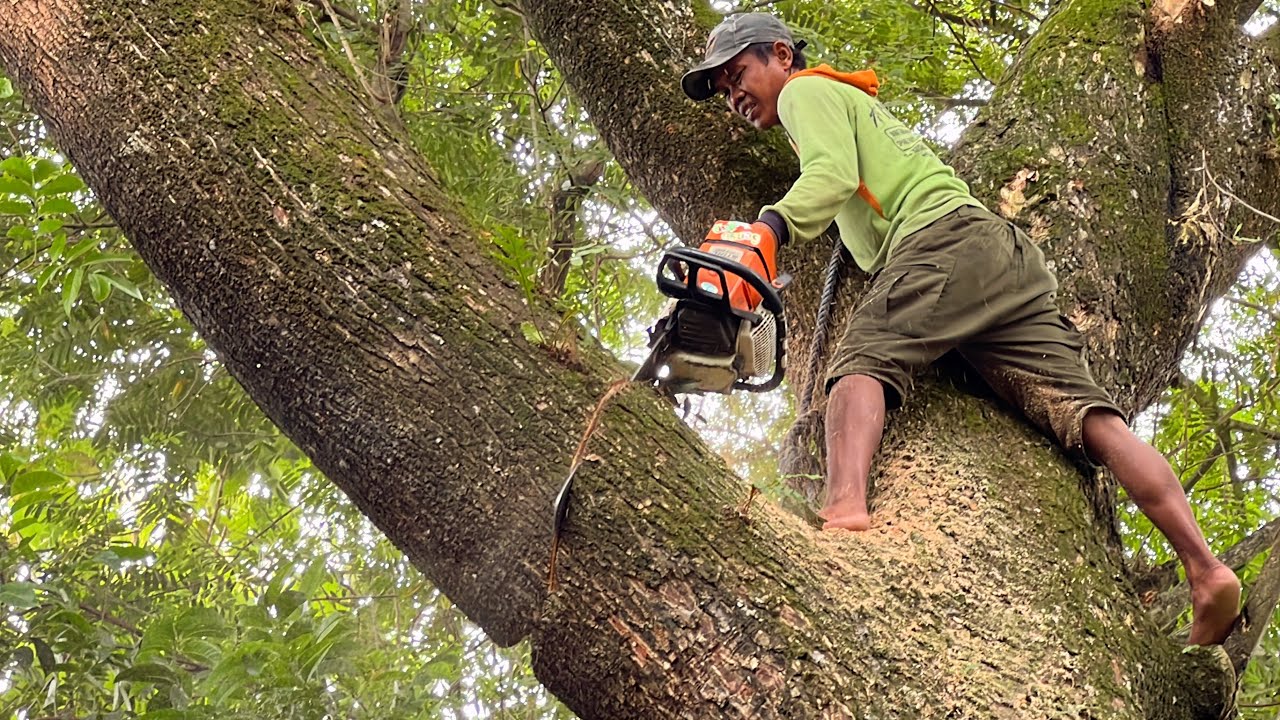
(782, 51)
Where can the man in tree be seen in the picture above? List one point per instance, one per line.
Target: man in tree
(948, 275)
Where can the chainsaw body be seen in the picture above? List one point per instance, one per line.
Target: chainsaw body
(724, 329)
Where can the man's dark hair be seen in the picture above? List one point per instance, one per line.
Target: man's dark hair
(764, 51)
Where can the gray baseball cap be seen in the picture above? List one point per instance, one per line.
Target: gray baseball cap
(729, 38)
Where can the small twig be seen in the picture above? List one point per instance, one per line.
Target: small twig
(1237, 198)
(961, 42)
(1270, 312)
(1015, 8)
(258, 535)
(351, 56)
(342, 12)
(111, 619)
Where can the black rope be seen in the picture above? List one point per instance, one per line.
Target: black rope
(822, 326)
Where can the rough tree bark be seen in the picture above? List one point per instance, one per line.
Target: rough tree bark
(318, 257)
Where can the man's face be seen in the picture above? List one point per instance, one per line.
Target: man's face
(751, 84)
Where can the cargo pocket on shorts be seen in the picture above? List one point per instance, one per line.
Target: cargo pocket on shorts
(914, 295)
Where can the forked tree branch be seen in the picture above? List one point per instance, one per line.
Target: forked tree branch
(1261, 605)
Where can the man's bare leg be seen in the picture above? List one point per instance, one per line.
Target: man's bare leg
(1151, 483)
(855, 423)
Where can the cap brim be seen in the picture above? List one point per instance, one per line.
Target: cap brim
(699, 83)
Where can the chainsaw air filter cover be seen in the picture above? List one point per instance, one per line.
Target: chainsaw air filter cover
(756, 346)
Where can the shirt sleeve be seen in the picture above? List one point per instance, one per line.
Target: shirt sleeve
(821, 125)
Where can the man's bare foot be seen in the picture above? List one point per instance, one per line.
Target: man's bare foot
(845, 516)
(1215, 605)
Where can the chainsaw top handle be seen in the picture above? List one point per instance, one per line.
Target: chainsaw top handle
(687, 287)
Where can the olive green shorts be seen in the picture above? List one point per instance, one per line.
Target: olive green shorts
(974, 283)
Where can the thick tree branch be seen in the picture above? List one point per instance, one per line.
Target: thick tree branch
(1264, 595)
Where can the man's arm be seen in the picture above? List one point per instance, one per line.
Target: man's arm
(821, 126)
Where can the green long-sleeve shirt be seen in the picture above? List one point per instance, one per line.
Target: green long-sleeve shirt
(846, 139)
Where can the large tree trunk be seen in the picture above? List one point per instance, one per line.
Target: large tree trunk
(317, 256)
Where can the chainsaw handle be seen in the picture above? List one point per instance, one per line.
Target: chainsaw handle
(701, 260)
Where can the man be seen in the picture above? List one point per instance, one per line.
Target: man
(948, 274)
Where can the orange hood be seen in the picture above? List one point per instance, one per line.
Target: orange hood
(864, 80)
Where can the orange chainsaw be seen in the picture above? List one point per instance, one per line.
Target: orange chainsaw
(724, 327)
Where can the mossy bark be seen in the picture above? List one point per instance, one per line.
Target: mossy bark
(317, 256)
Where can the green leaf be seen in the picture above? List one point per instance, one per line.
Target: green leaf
(287, 602)
(100, 287)
(131, 552)
(15, 186)
(71, 289)
(124, 286)
(58, 206)
(46, 275)
(201, 622)
(19, 595)
(9, 464)
(150, 672)
(23, 656)
(201, 650)
(43, 168)
(6, 88)
(25, 500)
(314, 576)
(45, 654)
(103, 258)
(160, 635)
(17, 166)
(48, 226)
(35, 480)
(58, 246)
(15, 207)
(531, 333)
(82, 248)
(67, 183)
(108, 558)
(20, 232)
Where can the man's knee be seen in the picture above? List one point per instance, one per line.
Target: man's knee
(863, 386)
(1103, 432)
(856, 385)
